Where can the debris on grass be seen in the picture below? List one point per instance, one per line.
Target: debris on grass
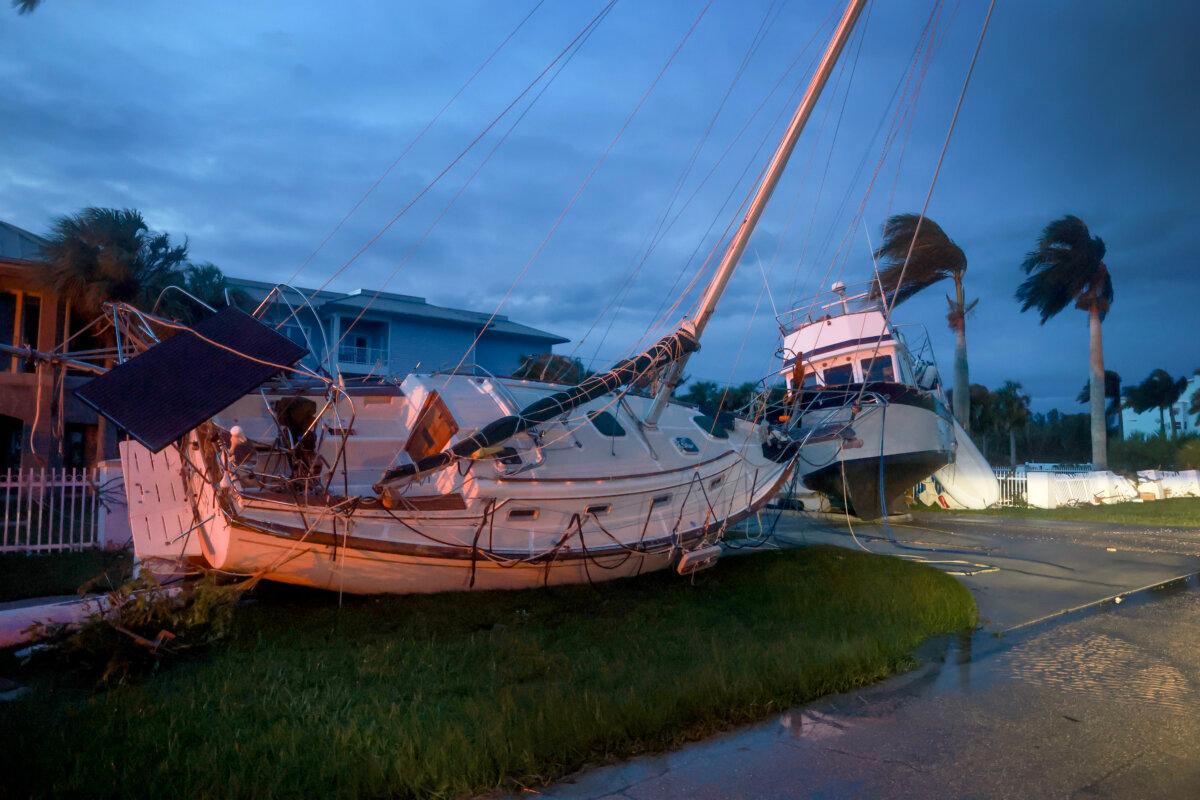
(139, 626)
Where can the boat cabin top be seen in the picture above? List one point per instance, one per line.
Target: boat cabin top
(847, 340)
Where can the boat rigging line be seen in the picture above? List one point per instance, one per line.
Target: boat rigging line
(587, 179)
(413, 143)
(595, 21)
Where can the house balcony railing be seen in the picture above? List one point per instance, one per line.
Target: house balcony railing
(362, 356)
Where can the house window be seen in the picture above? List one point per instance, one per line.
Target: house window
(79, 443)
(295, 332)
(606, 423)
(878, 369)
(11, 431)
(20, 318)
(840, 375)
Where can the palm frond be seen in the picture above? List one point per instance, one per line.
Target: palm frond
(935, 257)
(1066, 266)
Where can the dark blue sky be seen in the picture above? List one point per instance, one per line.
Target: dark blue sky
(253, 131)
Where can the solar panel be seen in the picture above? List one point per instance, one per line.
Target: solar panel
(174, 386)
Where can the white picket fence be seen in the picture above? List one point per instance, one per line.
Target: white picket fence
(1014, 488)
(48, 510)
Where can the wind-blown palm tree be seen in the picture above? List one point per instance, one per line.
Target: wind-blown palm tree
(935, 257)
(102, 255)
(1067, 265)
(1010, 410)
(1159, 390)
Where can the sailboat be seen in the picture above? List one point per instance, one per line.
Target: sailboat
(866, 405)
(449, 481)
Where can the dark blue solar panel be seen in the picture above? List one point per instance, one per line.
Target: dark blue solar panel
(178, 384)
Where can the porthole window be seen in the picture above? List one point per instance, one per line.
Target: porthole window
(523, 513)
(660, 500)
(606, 423)
(597, 510)
(686, 445)
(715, 482)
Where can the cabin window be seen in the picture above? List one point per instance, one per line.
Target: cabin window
(660, 500)
(717, 427)
(715, 482)
(606, 423)
(597, 510)
(433, 429)
(686, 445)
(878, 369)
(810, 381)
(523, 513)
(840, 375)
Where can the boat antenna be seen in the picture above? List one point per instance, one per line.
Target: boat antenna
(774, 171)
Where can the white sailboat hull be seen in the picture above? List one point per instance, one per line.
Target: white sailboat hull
(596, 510)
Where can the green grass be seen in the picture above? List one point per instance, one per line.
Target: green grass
(48, 574)
(455, 695)
(1177, 512)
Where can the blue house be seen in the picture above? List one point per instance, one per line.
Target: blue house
(397, 333)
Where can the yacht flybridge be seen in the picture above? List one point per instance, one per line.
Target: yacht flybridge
(448, 481)
(874, 418)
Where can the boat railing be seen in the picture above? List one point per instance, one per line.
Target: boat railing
(847, 299)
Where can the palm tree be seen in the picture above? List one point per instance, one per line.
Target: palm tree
(102, 255)
(934, 257)
(1068, 265)
(983, 418)
(1159, 390)
(1010, 410)
(1112, 393)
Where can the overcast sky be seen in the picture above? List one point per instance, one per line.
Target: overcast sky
(253, 131)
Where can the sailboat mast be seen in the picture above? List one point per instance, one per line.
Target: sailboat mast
(774, 171)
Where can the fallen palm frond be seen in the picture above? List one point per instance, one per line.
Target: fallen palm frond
(138, 626)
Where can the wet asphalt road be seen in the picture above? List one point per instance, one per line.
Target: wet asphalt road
(1102, 702)
(1020, 570)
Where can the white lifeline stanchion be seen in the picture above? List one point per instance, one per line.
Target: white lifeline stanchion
(774, 171)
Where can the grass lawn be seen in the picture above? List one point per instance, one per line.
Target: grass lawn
(1177, 512)
(460, 694)
(46, 574)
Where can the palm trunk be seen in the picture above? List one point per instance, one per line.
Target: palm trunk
(1172, 412)
(962, 380)
(1162, 423)
(1099, 425)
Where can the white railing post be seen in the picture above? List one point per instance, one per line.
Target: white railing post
(101, 512)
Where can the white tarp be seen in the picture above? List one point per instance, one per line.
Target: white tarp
(967, 483)
(1162, 484)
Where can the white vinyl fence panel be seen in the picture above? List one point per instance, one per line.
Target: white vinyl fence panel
(51, 509)
(1014, 490)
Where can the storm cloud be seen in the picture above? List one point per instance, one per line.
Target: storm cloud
(253, 130)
